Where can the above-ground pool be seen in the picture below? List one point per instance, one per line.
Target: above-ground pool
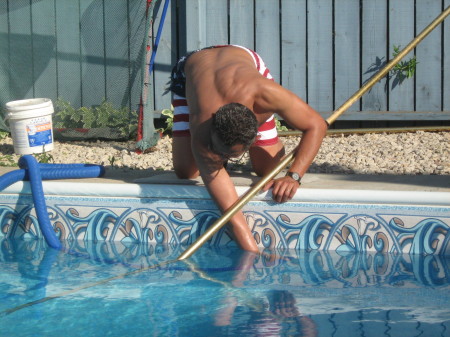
(120, 289)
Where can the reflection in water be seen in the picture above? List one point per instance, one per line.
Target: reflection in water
(227, 290)
(273, 314)
(292, 267)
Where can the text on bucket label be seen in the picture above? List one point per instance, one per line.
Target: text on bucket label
(39, 134)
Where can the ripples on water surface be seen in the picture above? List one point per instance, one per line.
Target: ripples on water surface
(109, 289)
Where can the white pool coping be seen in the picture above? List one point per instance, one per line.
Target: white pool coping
(173, 191)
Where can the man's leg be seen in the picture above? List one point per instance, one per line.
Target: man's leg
(183, 159)
(265, 158)
(267, 150)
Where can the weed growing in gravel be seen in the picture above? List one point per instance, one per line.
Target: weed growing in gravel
(112, 160)
(44, 158)
(8, 160)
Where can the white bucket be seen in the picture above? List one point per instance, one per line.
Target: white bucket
(30, 122)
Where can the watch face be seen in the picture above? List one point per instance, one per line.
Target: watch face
(295, 176)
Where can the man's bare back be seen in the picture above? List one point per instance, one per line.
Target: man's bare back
(218, 76)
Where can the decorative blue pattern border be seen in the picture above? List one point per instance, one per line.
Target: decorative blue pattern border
(341, 227)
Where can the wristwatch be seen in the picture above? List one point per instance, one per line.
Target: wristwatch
(295, 176)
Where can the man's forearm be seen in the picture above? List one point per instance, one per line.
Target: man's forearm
(308, 148)
(223, 192)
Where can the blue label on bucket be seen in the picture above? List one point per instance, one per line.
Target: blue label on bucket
(39, 134)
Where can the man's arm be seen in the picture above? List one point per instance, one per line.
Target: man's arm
(222, 190)
(299, 115)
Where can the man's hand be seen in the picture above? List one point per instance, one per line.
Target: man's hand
(284, 188)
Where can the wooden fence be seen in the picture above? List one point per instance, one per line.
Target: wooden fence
(83, 51)
(323, 50)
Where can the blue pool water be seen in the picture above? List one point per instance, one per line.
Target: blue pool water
(106, 289)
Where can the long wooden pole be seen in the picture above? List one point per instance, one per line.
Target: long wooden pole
(289, 158)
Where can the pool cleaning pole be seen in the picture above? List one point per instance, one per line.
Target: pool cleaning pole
(288, 158)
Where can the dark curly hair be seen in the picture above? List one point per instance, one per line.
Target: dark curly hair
(234, 123)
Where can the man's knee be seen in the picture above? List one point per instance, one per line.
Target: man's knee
(185, 172)
(183, 161)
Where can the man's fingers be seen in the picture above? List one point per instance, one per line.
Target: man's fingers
(268, 185)
(293, 191)
(283, 192)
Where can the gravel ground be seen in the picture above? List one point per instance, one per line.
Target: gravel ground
(377, 153)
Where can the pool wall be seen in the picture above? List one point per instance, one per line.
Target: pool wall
(410, 222)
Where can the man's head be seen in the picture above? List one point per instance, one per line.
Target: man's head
(234, 129)
(233, 126)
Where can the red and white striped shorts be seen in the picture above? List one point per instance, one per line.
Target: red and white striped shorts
(267, 132)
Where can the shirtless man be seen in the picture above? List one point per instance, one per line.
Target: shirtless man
(224, 100)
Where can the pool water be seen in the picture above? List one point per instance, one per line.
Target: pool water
(121, 289)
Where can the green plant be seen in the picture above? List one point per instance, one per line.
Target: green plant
(403, 69)
(44, 158)
(279, 126)
(101, 116)
(168, 113)
(8, 160)
(4, 128)
(112, 160)
(4, 134)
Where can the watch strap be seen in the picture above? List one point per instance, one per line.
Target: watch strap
(295, 176)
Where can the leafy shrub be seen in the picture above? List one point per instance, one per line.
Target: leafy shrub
(101, 116)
